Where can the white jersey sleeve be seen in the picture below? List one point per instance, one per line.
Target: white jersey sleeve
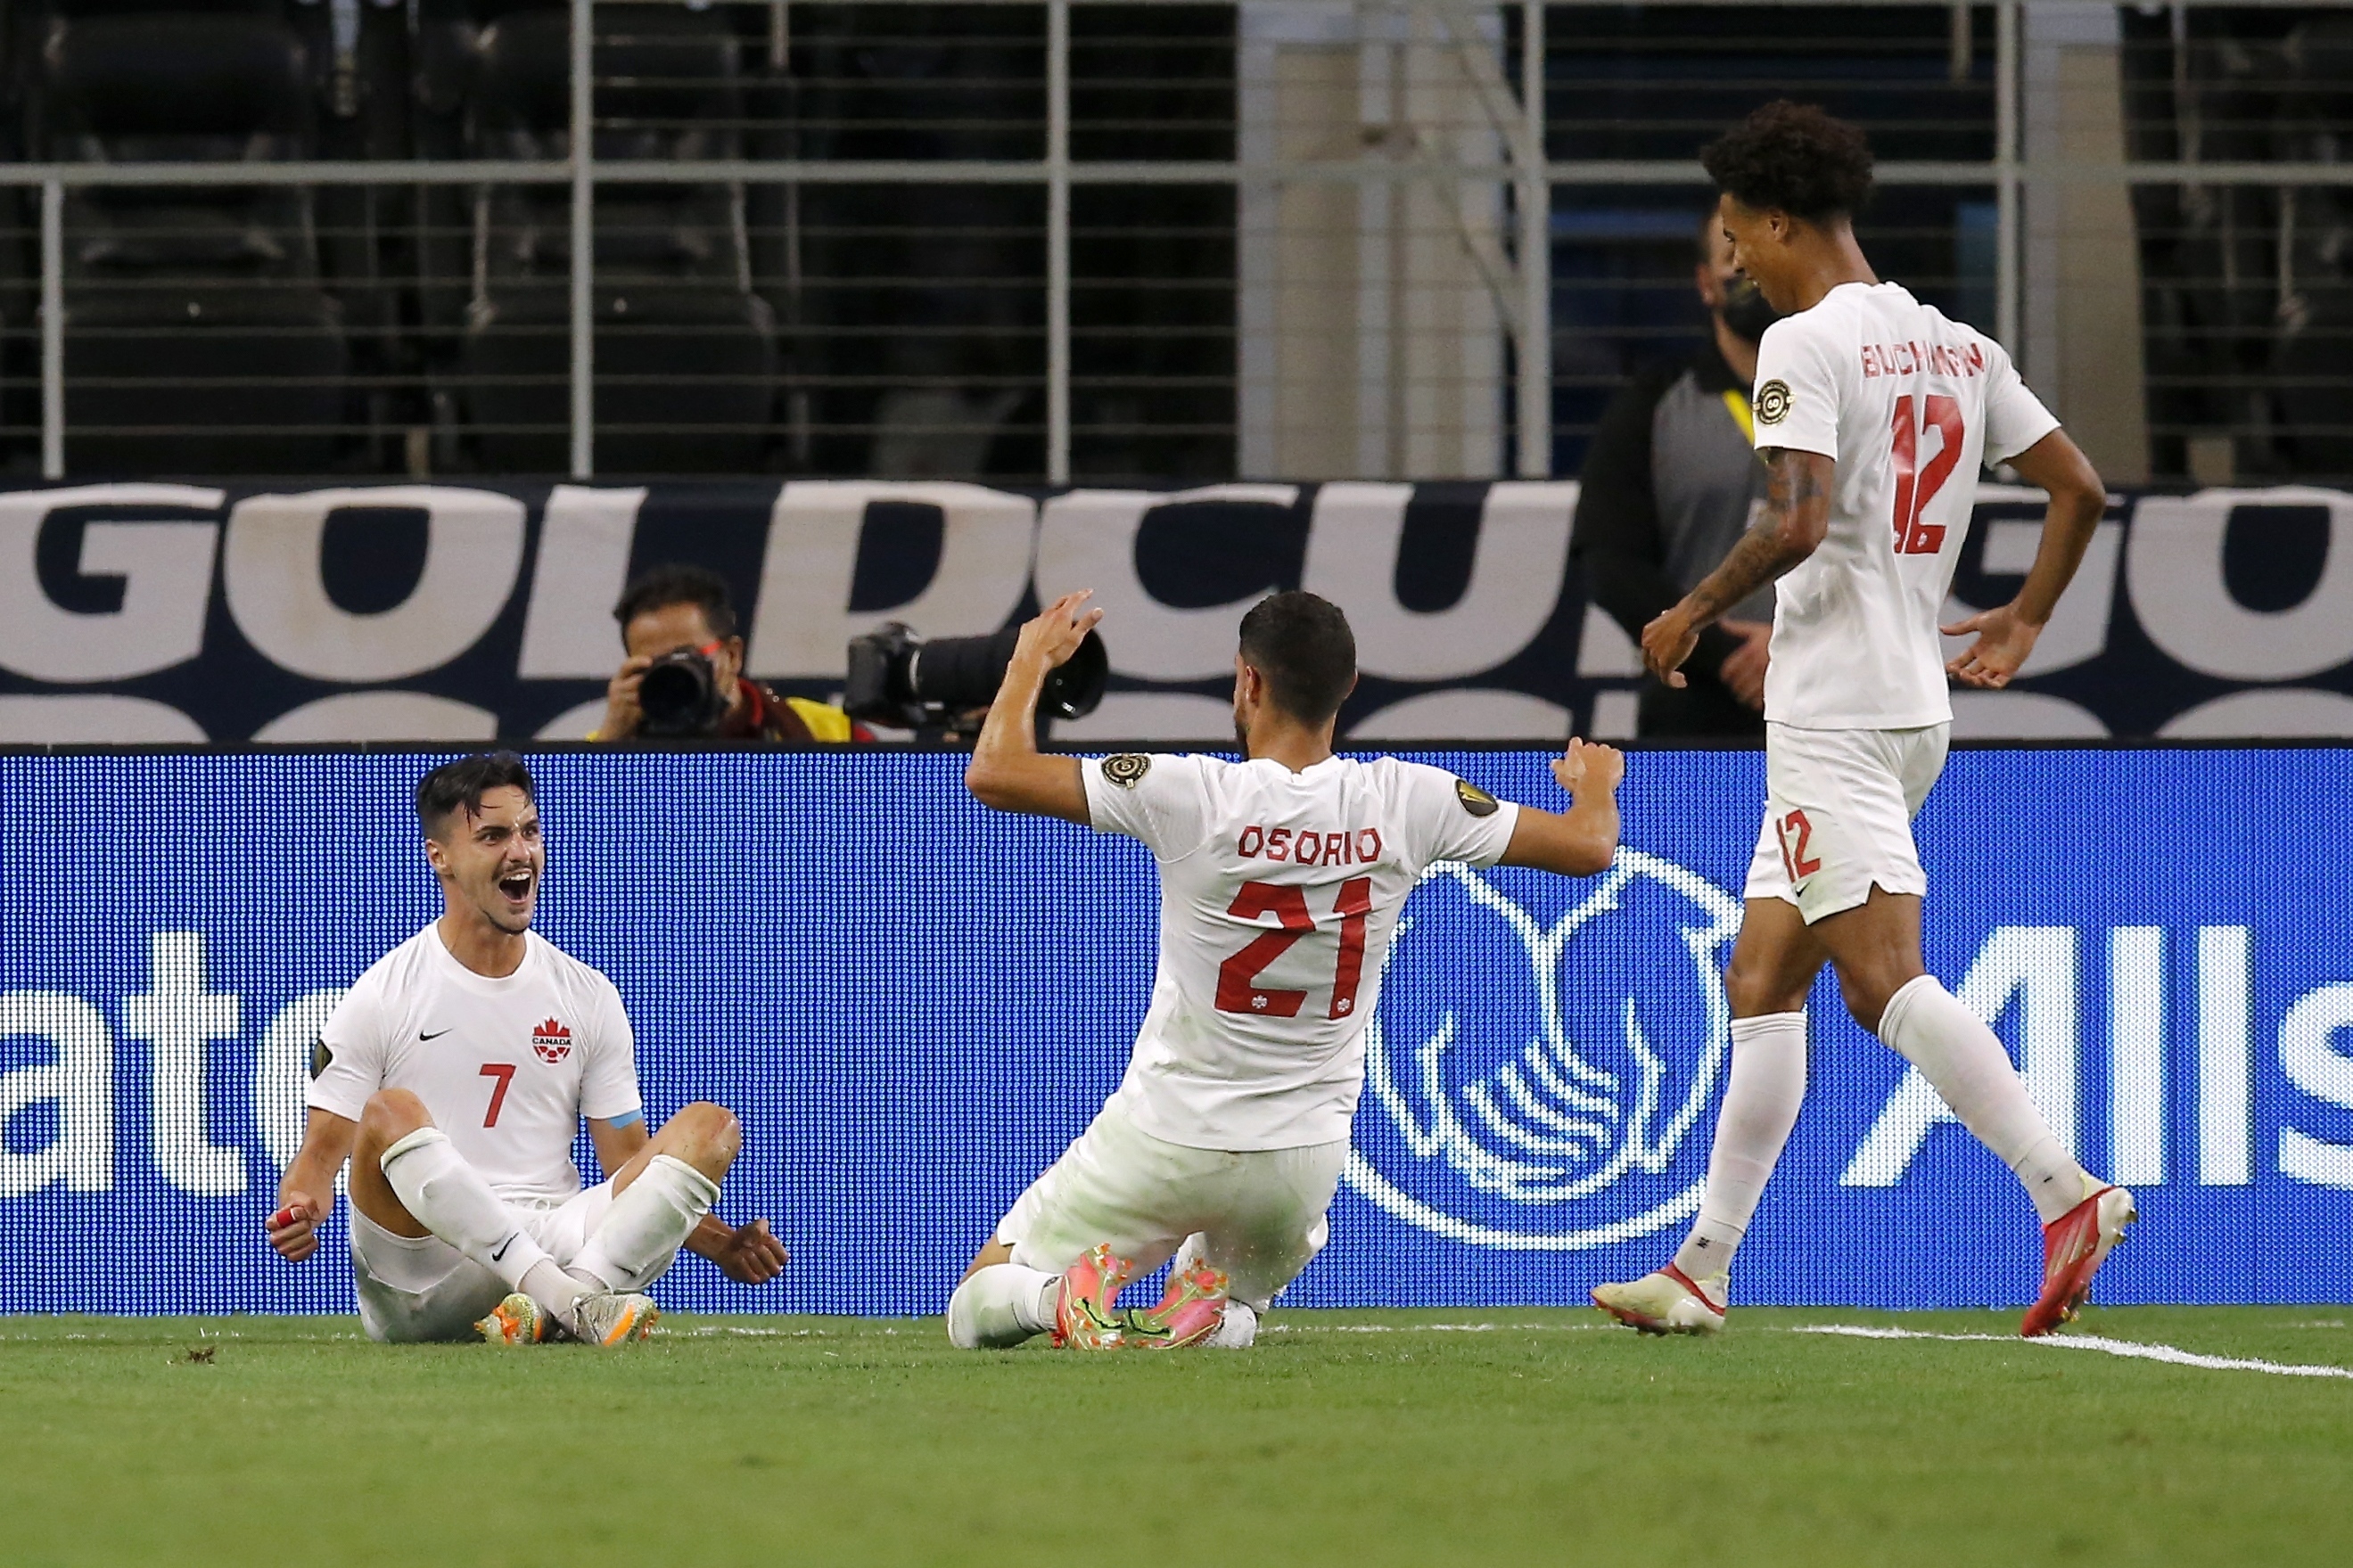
(1798, 396)
(2014, 418)
(608, 1081)
(347, 1065)
(1160, 799)
(1452, 818)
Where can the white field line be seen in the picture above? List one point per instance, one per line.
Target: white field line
(2133, 1349)
(1430, 1328)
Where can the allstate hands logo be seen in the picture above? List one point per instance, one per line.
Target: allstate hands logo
(1534, 1085)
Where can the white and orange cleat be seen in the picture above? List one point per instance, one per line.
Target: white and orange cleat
(2073, 1247)
(1191, 1310)
(1667, 1302)
(1086, 1317)
(610, 1317)
(517, 1320)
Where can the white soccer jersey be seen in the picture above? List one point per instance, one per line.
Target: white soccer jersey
(506, 1068)
(1279, 894)
(1910, 404)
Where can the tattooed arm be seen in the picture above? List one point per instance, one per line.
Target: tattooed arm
(1797, 515)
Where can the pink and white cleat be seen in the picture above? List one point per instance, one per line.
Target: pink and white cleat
(2073, 1247)
(1085, 1316)
(1191, 1310)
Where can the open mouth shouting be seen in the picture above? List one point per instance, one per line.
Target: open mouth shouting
(516, 885)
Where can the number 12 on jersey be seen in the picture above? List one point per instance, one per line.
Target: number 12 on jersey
(1916, 486)
(1238, 987)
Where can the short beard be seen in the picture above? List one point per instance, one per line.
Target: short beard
(497, 917)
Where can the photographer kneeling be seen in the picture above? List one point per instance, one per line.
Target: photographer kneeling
(683, 678)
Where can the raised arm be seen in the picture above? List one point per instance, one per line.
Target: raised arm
(1580, 841)
(1007, 773)
(307, 1191)
(1796, 517)
(2006, 635)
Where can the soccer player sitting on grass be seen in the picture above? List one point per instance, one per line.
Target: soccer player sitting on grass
(456, 1075)
(1281, 877)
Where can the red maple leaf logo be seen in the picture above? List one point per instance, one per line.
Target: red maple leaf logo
(551, 1040)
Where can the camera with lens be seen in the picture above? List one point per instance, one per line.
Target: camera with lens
(898, 678)
(680, 695)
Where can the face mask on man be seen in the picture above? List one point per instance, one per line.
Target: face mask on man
(1745, 311)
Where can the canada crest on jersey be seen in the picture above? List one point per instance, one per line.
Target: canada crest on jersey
(551, 1040)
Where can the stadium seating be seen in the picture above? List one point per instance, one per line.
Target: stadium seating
(198, 337)
(911, 328)
(685, 351)
(2315, 321)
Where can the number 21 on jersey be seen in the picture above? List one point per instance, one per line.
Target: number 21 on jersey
(1915, 486)
(1238, 987)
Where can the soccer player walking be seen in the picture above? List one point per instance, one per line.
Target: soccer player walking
(1280, 879)
(455, 1077)
(1873, 416)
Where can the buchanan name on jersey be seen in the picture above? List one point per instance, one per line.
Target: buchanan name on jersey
(1910, 404)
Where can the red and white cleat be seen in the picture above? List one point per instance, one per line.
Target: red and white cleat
(2073, 1247)
(1086, 1317)
(1667, 1302)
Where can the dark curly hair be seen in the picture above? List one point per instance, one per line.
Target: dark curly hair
(1795, 157)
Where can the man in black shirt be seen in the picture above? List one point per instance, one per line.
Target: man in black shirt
(1668, 488)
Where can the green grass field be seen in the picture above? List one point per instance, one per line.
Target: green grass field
(1360, 1438)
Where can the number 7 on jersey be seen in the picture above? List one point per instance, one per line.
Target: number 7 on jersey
(502, 1074)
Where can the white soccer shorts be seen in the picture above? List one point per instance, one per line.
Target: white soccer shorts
(1839, 806)
(414, 1290)
(1260, 1214)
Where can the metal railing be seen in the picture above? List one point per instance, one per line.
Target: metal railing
(1513, 259)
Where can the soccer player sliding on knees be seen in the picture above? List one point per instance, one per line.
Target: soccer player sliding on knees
(1874, 414)
(1281, 879)
(456, 1075)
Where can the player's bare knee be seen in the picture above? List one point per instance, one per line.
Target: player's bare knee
(1861, 1001)
(707, 1136)
(1755, 989)
(1868, 990)
(391, 1114)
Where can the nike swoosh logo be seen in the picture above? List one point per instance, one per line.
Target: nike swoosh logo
(435, 1035)
(500, 1254)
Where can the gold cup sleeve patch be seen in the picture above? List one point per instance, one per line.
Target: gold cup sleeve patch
(1475, 801)
(1127, 769)
(1773, 401)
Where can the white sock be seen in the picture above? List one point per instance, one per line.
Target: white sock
(1001, 1305)
(1761, 1096)
(450, 1198)
(648, 1222)
(1238, 1330)
(1963, 1060)
(552, 1288)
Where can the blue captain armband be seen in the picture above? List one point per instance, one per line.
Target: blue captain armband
(626, 1119)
